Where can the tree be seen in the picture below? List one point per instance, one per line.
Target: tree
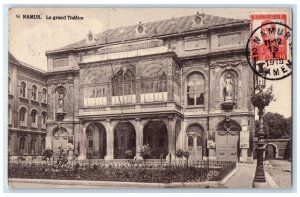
(186, 154)
(289, 127)
(179, 153)
(275, 125)
(48, 153)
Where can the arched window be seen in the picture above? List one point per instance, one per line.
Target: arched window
(32, 146)
(195, 90)
(123, 83)
(44, 95)
(44, 117)
(228, 127)
(9, 114)
(34, 118)
(23, 117)
(34, 93)
(22, 145)
(23, 89)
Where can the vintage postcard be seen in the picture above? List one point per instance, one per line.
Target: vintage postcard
(150, 97)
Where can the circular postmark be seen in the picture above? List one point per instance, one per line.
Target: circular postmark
(269, 50)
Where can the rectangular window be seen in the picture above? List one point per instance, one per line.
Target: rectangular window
(91, 144)
(191, 99)
(199, 99)
(190, 141)
(199, 141)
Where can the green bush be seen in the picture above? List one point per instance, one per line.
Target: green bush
(125, 173)
(145, 151)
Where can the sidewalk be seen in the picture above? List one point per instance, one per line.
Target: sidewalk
(244, 176)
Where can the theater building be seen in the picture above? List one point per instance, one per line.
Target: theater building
(182, 83)
(27, 109)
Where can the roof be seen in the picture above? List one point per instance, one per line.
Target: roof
(20, 63)
(156, 28)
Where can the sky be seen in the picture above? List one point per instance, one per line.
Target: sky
(29, 39)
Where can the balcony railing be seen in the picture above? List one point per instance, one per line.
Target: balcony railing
(126, 99)
(154, 97)
(95, 101)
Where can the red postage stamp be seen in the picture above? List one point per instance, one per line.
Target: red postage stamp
(270, 44)
(273, 47)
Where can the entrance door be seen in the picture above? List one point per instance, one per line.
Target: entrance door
(227, 146)
(271, 151)
(195, 141)
(227, 139)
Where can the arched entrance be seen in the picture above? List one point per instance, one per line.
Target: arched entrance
(156, 135)
(96, 141)
(124, 140)
(59, 140)
(195, 141)
(270, 151)
(227, 140)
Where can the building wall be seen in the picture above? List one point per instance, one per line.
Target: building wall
(19, 72)
(212, 53)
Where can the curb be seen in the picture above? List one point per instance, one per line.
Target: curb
(228, 177)
(271, 181)
(81, 184)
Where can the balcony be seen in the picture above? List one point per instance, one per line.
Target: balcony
(149, 103)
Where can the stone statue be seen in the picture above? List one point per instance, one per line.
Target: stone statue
(60, 99)
(228, 88)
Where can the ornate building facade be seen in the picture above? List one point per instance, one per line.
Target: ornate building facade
(27, 109)
(182, 83)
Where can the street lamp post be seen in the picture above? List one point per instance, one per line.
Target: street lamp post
(260, 100)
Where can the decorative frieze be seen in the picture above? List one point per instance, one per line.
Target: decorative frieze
(59, 82)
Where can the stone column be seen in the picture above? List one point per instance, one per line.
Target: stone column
(139, 137)
(171, 137)
(244, 141)
(211, 143)
(196, 156)
(82, 141)
(183, 136)
(109, 141)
